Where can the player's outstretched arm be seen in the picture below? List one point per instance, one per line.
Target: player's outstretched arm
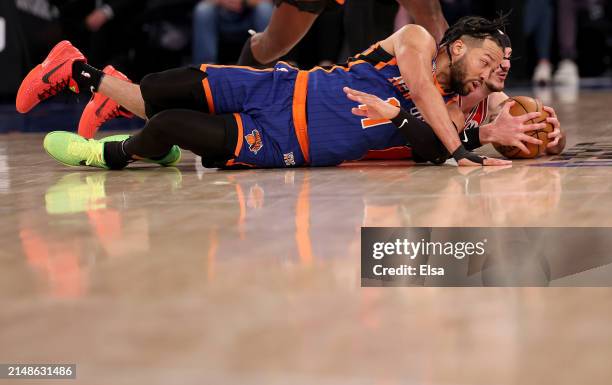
(419, 134)
(414, 49)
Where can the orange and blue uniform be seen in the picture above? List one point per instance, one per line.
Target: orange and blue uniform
(478, 115)
(287, 117)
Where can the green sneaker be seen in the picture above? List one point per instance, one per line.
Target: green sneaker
(73, 150)
(171, 159)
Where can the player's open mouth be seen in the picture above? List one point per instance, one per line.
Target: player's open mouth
(475, 84)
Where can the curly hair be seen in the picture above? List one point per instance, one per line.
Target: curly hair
(478, 28)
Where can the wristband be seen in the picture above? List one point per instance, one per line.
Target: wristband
(462, 153)
(402, 118)
(471, 138)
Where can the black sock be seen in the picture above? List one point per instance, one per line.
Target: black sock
(115, 156)
(86, 76)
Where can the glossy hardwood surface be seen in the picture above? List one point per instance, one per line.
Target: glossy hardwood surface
(193, 276)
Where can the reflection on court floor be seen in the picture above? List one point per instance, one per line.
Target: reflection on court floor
(238, 275)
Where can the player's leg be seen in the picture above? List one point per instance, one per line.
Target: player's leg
(176, 88)
(427, 13)
(126, 94)
(66, 67)
(212, 137)
(287, 27)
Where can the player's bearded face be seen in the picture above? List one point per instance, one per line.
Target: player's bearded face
(458, 79)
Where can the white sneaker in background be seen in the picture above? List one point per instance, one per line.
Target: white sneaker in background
(542, 74)
(545, 94)
(567, 73)
(567, 93)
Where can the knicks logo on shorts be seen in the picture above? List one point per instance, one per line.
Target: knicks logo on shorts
(254, 141)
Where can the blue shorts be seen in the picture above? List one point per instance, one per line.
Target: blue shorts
(263, 105)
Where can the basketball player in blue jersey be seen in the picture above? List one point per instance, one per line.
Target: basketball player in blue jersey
(279, 117)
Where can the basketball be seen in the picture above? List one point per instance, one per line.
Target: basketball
(524, 105)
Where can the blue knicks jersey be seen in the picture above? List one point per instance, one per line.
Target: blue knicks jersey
(334, 133)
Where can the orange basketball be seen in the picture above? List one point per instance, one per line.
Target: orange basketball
(522, 106)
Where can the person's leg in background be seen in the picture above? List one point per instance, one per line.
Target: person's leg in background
(538, 23)
(235, 22)
(358, 19)
(567, 71)
(205, 33)
(367, 21)
(287, 27)
(329, 35)
(428, 14)
(262, 13)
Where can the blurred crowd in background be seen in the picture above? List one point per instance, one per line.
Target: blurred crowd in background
(554, 41)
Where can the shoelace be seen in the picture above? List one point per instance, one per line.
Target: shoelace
(86, 150)
(54, 89)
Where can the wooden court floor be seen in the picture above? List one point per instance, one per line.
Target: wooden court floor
(193, 276)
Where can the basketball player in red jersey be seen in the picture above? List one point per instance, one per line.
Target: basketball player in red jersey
(292, 19)
(482, 110)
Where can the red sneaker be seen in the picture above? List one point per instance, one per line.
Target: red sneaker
(50, 77)
(101, 109)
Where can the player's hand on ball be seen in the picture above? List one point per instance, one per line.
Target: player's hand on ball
(370, 106)
(557, 135)
(510, 130)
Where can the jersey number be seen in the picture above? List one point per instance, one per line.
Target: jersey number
(369, 122)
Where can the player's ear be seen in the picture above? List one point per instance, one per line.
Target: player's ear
(458, 48)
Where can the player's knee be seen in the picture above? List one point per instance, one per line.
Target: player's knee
(152, 90)
(160, 123)
(149, 86)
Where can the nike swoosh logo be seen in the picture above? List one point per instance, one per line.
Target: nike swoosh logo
(46, 76)
(99, 110)
(403, 122)
(465, 138)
